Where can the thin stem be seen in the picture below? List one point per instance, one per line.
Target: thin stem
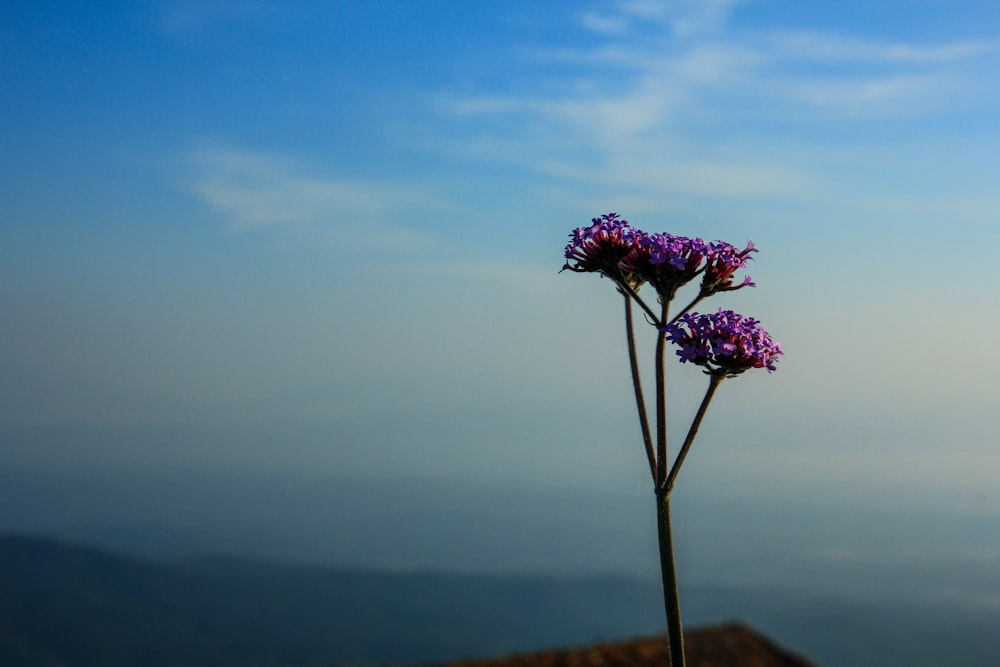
(713, 384)
(623, 285)
(688, 307)
(668, 572)
(661, 403)
(640, 401)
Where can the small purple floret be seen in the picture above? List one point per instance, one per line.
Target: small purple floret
(722, 261)
(726, 343)
(665, 261)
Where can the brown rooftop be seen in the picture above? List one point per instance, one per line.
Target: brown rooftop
(729, 645)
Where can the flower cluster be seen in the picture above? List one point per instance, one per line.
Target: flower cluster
(722, 261)
(612, 247)
(665, 261)
(600, 247)
(725, 343)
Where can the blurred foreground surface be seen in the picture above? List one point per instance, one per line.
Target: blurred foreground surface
(729, 645)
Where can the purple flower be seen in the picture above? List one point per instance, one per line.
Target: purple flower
(722, 261)
(665, 261)
(725, 343)
(600, 247)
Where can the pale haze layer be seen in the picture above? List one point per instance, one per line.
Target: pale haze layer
(282, 279)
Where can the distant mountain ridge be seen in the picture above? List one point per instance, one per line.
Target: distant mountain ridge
(67, 605)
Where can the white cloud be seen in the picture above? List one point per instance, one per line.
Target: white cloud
(696, 17)
(255, 190)
(636, 136)
(186, 17)
(604, 24)
(805, 45)
(872, 95)
(655, 101)
(683, 17)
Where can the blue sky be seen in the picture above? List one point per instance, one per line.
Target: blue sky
(261, 262)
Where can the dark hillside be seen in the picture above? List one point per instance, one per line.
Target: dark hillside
(63, 604)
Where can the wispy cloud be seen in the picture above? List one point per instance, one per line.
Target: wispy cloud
(604, 24)
(803, 45)
(190, 17)
(257, 190)
(870, 96)
(654, 101)
(682, 17)
(185, 16)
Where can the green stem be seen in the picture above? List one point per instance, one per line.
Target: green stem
(713, 384)
(668, 573)
(640, 401)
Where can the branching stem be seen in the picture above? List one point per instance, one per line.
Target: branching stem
(640, 401)
(713, 384)
(655, 321)
(668, 569)
(686, 308)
